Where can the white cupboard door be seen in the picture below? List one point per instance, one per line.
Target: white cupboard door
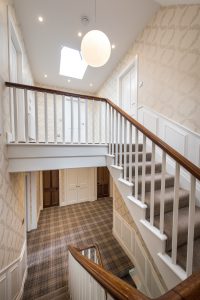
(72, 189)
(83, 184)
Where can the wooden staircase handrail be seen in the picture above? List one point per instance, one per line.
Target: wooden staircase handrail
(189, 289)
(178, 157)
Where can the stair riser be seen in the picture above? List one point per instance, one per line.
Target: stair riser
(158, 169)
(183, 202)
(140, 157)
(168, 182)
(140, 147)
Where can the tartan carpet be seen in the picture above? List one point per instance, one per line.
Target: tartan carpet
(79, 225)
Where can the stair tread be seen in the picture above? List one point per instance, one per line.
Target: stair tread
(168, 199)
(182, 256)
(182, 226)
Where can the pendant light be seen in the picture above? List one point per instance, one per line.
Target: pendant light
(95, 47)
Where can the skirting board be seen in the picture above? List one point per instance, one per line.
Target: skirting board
(127, 238)
(13, 277)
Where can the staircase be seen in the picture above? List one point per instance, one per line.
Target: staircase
(159, 186)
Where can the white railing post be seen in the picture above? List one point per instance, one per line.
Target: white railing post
(100, 123)
(152, 185)
(55, 118)
(125, 149)
(143, 168)
(130, 153)
(116, 138)
(46, 117)
(109, 129)
(26, 114)
(79, 122)
(113, 132)
(72, 120)
(175, 214)
(136, 163)
(162, 200)
(106, 122)
(36, 117)
(93, 122)
(15, 115)
(63, 119)
(86, 121)
(191, 222)
(120, 133)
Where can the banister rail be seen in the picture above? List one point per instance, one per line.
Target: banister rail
(184, 162)
(189, 289)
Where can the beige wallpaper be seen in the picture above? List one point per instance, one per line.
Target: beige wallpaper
(12, 229)
(120, 207)
(169, 65)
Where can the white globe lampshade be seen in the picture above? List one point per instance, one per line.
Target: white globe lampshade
(95, 48)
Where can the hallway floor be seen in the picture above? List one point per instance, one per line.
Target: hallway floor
(79, 225)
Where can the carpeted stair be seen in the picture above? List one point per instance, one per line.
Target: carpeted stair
(169, 199)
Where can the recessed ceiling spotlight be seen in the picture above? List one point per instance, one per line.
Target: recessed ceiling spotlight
(113, 46)
(68, 80)
(91, 84)
(45, 75)
(40, 19)
(80, 34)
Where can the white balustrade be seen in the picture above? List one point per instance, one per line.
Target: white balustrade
(136, 163)
(130, 153)
(143, 168)
(152, 200)
(125, 149)
(162, 200)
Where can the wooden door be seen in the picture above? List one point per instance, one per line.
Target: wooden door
(102, 182)
(50, 188)
(83, 184)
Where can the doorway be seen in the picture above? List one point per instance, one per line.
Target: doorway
(102, 182)
(50, 188)
(128, 89)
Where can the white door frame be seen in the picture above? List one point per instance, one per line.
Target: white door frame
(133, 63)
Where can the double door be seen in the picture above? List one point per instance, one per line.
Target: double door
(77, 185)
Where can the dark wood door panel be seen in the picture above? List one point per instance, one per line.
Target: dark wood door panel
(102, 182)
(50, 188)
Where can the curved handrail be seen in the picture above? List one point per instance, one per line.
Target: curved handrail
(184, 162)
(120, 290)
(113, 285)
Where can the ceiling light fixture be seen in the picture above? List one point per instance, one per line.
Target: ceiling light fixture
(68, 80)
(95, 47)
(91, 84)
(113, 46)
(80, 34)
(40, 19)
(45, 75)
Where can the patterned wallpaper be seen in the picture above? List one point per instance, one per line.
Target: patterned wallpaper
(169, 65)
(12, 229)
(120, 207)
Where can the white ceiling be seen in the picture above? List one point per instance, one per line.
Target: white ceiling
(121, 20)
(177, 2)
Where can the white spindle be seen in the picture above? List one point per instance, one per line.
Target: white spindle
(36, 117)
(26, 114)
(79, 122)
(162, 200)
(175, 214)
(143, 168)
(63, 118)
(72, 120)
(136, 163)
(152, 185)
(116, 139)
(93, 121)
(191, 222)
(113, 130)
(89, 253)
(15, 115)
(130, 153)
(106, 122)
(109, 131)
(86, 121)
(46, 117)
(125, 148)
(120, 138)
(100, 119)
(55, 118)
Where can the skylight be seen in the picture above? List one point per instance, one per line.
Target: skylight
(72, 64)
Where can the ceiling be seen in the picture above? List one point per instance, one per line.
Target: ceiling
(121, 20)
(177, 2)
